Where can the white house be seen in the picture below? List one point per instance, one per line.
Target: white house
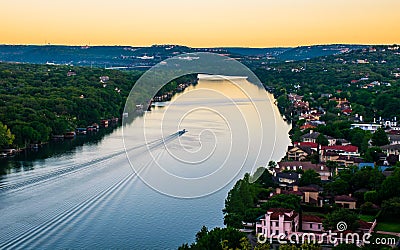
(278, 221)
(366, 126)
(394, 139)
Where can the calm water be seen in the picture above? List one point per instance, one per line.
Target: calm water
(92, 198)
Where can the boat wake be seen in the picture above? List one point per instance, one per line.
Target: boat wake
(35, 178)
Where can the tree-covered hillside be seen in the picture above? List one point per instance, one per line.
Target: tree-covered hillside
(39, 100)
(368, 78)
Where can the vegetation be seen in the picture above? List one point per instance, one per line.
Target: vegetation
(341, 215)
(37, 101)
(310, 177)
(342, 76)
(6, 138)
(40, 100)
(218, 238)
(379, 138)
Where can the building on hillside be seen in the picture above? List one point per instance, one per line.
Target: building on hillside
(389, 123)
(298, 153)
(309, 194)
(278, 221)
(346, 161)
(321, 169)
(394, 139)
(307, 126)
(311, 223)
(312, 145)
(347, 150)
(287, 179)
(312, 137)
(372, 127)
(391, 149)
(345, 201)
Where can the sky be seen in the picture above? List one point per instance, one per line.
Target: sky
(205, 23)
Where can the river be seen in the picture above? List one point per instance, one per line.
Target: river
(91, 197)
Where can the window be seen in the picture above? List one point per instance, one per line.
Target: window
(310, 225)
(319, 226)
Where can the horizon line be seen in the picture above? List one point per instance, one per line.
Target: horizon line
(195, 47)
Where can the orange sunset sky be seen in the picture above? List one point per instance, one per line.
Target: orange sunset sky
(206, 23)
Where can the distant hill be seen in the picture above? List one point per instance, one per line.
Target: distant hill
(257, 51)
(309, 52)
(145, 57)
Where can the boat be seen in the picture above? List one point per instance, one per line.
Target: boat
(181, 132)
(219, 77)
(69, 135)
(81, 131)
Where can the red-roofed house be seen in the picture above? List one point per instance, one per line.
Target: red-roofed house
(349, 150)
(307, 126)
(311, 223)
(312, 145)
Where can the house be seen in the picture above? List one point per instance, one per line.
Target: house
(328, 156)
(307, 126)
(287, 179)
(312, 137)
(342, 142)
(391, 149)
(394, 139)
(298, 153)
(104, 79)
(309, 194)
(294, 97)
(301, 105)
(339, 101)
(348, 150)
(345, 201)
(71, 73)
(389, 123)
(346, 161)
(312, 145)
(321, 169)
(278, 221)
(344, 155)
(372, 127)
(311, 223)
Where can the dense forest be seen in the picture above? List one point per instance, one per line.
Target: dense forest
(37, 101)
(40, 100)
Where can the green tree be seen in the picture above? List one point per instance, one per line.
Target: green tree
(218, 239)
(332, 166)
(391, 208)
(6, 137)
(372, 154)
(391, 186)
(321, 140)
(341, 215)
(338, 187)
(290, 201)
(264, 246)
(240, 201)
(310, 177)
(371, 196)
(380, 138)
